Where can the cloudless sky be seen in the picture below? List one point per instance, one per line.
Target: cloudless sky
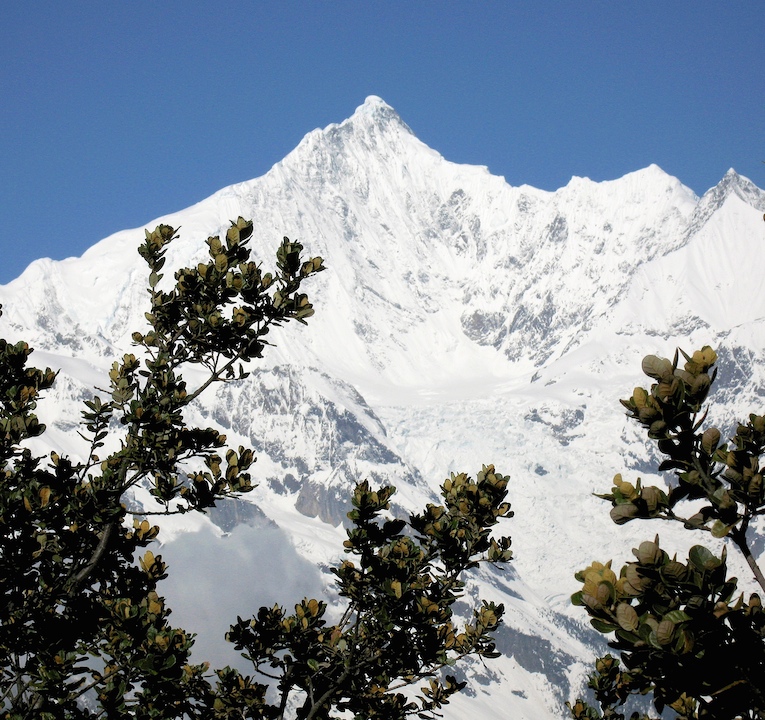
(112, 114)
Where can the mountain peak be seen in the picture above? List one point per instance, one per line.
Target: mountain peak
(374, 130)
(745, 189)
(713, 199)
(732, 182)
(374, 102)
(735, 184)
(447, 294)
(376, 112)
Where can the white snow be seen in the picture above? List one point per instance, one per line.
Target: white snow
(461, 321)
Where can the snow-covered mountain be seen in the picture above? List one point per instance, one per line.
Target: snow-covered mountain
(461, 321)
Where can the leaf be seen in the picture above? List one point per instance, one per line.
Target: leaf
(677, 616)
(623, 513)
(604, 593)
(719, 529)
(639, 397)
(649, 553)
(702, 558)
(654, 498)
(665, 632)
(627, 617)
(657, 367)
(147, 561)
(710, 440)
(602, 626)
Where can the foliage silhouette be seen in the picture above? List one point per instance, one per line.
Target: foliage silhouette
(686, 637)
(83, 630)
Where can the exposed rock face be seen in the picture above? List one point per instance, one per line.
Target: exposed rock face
(461, 321)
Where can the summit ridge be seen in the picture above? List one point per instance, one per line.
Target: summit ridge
(460, 321)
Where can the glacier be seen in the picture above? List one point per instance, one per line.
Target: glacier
(461, 321)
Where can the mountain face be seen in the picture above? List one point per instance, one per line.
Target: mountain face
(461, 321)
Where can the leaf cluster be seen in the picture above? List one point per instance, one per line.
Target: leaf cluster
(82, 624)
(684, 636)
(84, 632)
(726, 476)
(398, 627)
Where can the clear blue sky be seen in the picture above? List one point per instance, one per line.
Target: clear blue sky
(114, 113)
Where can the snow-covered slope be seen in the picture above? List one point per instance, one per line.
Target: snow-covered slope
(461, 321)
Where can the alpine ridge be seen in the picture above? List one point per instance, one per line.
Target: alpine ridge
(461, 321)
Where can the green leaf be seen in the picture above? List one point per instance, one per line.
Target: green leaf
(701, 558)
(677, 616)
(719, 529)
(602, 626)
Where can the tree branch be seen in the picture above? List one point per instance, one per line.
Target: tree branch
(95, 558)
(328, 694)
(738, 536)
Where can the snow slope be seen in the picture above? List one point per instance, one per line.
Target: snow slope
(461, 321)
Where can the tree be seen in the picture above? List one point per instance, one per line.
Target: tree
(397, 627)
(83, 630)
(686, 637)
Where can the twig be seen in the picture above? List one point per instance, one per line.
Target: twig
(95, 558)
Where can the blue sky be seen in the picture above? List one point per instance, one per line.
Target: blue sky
(112, 114)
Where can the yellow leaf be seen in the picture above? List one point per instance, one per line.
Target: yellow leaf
(147, 561)
(44, 496)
